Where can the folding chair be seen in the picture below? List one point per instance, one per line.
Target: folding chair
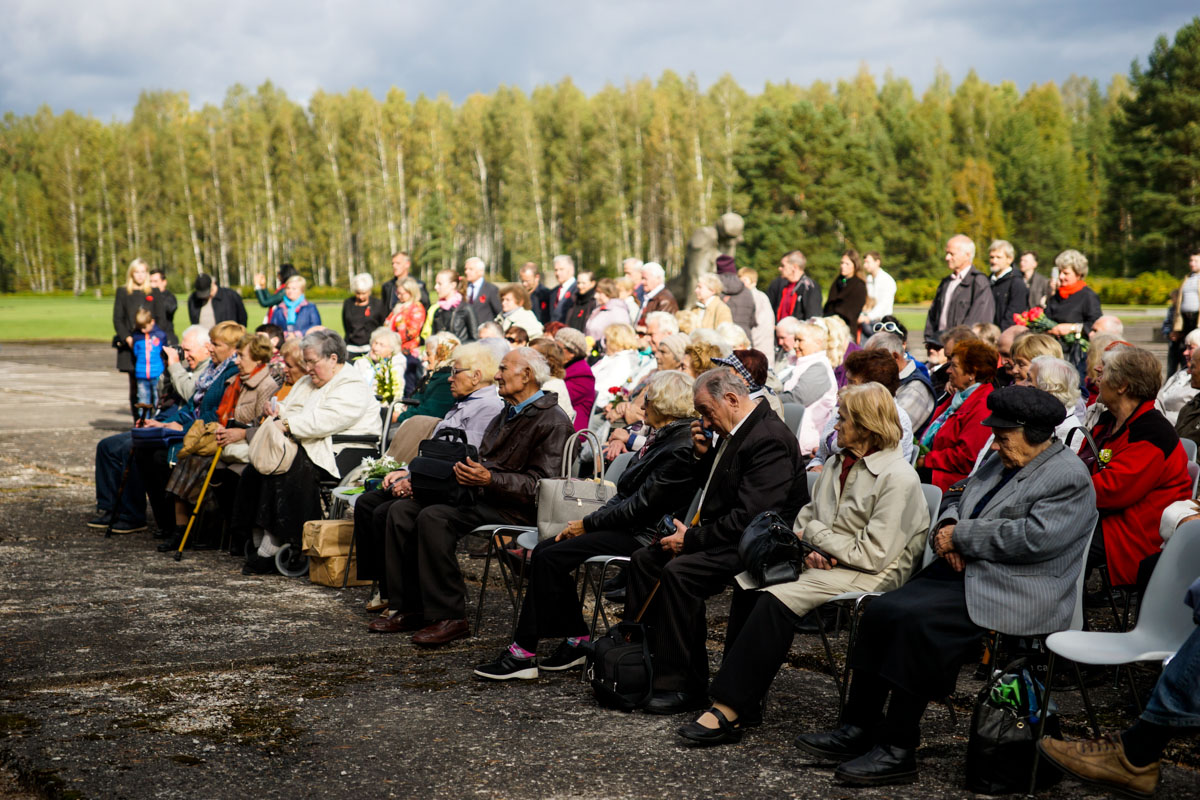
(793, 415)
(1164, 622)
(1189, 447)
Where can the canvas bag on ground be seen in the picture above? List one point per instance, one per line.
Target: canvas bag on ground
(271, 450)
(562, 499)
(432, 471)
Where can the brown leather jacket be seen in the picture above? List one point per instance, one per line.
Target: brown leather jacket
(521, 451)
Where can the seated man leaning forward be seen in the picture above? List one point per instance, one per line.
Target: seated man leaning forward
(755, 467)
(1009, 550)
(657, 481)
(522, 445)
(867, 515)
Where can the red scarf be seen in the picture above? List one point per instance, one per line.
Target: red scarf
(229, 400)
(1066, 291)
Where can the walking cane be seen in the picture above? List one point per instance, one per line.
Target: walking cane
(196, 510)
(143, 410)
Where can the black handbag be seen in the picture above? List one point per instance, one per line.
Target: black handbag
(619, 664)
(769, 550)
(432, 471)
(1004, 734)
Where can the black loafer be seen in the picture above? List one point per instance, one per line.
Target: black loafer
(885, 765)
(842, 744)
(726, 732)
(168, 546)
(259, 566)
(676, 702)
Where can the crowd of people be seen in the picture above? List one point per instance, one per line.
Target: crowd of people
(1055, 443)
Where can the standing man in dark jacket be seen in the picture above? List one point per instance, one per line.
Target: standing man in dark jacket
(659, 480)
(401, 264)
(755, 467)
(1009, 291)
(658, 297)
(209, 303)
(735, 294)
(484, 297)
(522, 445)
(962, 298)
(158, 281)
(794, 294)
(584, 303)
(564, 295)
(1038, 284)
(540, 297)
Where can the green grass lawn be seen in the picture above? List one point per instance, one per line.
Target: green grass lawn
(90, 318)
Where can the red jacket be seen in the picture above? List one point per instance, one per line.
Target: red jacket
(1146, 472)
(958, 442)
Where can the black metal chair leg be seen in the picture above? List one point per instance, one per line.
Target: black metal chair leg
(833, 670)
(487, 563)
(1087, 701)
(1037, 754)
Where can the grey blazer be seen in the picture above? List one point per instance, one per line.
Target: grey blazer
(1025, 549)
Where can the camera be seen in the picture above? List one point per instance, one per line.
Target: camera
(665, 528)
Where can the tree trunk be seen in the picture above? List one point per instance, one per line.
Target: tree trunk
(222, 245)
(387, 194)
(78, 278)
(273, 254)
(191, 214)
(486, 252)
(536, 187)
(343, 204)
(405, 231)
(112, 240)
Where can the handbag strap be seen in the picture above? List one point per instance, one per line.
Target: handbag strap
(452, 434)
(568, 454)
(1091, 443)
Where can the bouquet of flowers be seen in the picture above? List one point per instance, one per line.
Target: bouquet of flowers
(619, 395)
(373, 471)
(385, 381)
(1035, 319)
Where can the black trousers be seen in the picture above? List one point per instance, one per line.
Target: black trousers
(370, 528)
(912, 642)
(422, 570)
(676, 616)
(756, 645)
(551, 608)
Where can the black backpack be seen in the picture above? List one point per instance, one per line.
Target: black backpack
(432, 471)
(619, 664)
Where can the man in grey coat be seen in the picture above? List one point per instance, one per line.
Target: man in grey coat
(1009, 550)
(964, 297)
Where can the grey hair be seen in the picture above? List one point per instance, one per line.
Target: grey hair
(194, 330)
(565, 259)
(788, 325)
(669, 392)
(968, 243)
(498, 346)
(573, 340)
(297, 279)
(734, 335)
(712, 282)
(539, 369)
(796, 259)
(1192, 339)
(362, 282)
(654, 270)
(489, 330)
(1072, 260)
(325, 343)
(392, 337)
(475, 260)
(1004, 247)
(1109, 324)
(720, 381)
(1058, 377)
(480, 356)
(706, 336)
(888, 342)
(636, 262)
(665, 322)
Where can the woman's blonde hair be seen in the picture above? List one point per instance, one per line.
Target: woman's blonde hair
(699, 354)
(1096, 348)
(669, 392)
(132, 287)
(620, 337)
(258, 345)
(871, 408)
(712, 282)
(1036, 344)
(227, 332)
(476, 355)
(439, 348)
(410, 285)
(837, 338)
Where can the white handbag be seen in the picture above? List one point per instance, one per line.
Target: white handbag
(271, 450)
(562, 499)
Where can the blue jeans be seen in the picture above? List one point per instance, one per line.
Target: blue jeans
(111, 454)
(1175, 701)
(147, 391)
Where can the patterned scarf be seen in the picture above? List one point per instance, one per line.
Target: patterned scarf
(205, 381)
(959, 399)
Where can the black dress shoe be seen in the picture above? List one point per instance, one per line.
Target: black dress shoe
(726, 732)
(883, 766)
(168, 546)
(676, 702)
(259, 566)
(841, 744)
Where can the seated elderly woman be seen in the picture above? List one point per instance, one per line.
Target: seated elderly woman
(703, 346)
(384, 364)
(293, 367)
(1141, 469)
(294, 315)
(331, 399)
(515, 310)
(433, 397)
(954, 438)
(476, 403)
(556, 383)
(1026, 349)
(657, 481)
(866, 366)
(578, 376)
(521, 446)
(1009, 551)
(622, 365)
(361, 314)
(867, 515)
(1177, 391)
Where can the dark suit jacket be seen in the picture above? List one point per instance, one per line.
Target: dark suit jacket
(487, 304)
(972, 302)
(227, 306)
(560, 306)
(1011, 296)
(541, 299)
(760, 470)
(1039, 287)
(387, 292)
(808, 299)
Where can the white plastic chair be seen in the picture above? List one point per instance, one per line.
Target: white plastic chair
(1189, 447)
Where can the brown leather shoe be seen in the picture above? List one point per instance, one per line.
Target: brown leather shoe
(1101, 762)
(441, 632)
(397, 623)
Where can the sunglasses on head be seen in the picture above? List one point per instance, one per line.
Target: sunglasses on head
(512, 339)
(890, 327)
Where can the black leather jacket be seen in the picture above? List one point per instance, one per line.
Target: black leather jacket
(660, 482)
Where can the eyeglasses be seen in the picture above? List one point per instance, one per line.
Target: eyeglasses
(456, 370)
(890, 327)
(512, 339)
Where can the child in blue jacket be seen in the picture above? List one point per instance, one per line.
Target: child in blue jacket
(148, 357)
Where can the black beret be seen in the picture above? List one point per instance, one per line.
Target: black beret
(1024, 407)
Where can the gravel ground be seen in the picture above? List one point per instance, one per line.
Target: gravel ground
(128, 675)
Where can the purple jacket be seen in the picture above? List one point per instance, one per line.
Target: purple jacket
(581, 385)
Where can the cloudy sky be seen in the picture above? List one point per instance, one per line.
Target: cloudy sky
(97, 55)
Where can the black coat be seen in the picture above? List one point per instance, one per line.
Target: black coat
(387, 293)
(559, 308)
(541, 299)
(359, 322)
(125, 308)
(971, 302)
(846, 299)
(657, 483)
(227, 307)
(1083, 306)
(460, 321)
(760, 470)
(1011, 296)
(487, 304)
(581, 308)
(808, 299)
